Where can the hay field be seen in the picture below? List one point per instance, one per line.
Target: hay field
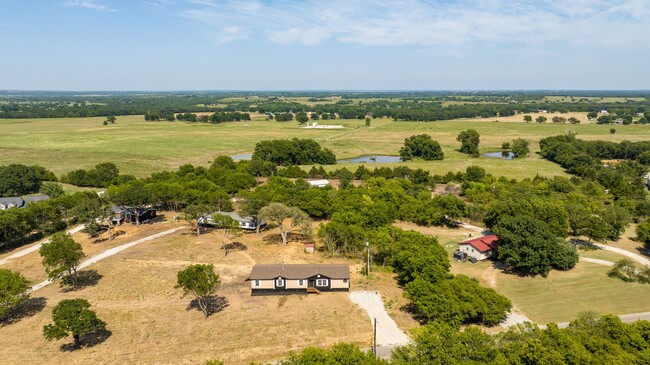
(140, 148)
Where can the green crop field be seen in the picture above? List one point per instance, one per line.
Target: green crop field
(140, 148)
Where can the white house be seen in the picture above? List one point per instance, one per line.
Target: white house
(248, 223)
(480, 248)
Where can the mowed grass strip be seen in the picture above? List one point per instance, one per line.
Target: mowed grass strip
(138, 147)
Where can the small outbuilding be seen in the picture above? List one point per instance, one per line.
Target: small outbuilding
(299, 278)
(480, 248)
(319, 183)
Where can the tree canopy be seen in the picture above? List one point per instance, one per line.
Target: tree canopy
(73, 317)
(469, 141)
(201, 282)
(293, 152)
(13, 291)
(421, 146)
(529, 246)
(62, 257)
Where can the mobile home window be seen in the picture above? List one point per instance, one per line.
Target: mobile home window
(279, 282)
(321, 282)
(257, 283)
(345, 281)
(301, 282)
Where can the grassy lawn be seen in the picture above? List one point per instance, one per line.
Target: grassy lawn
(562, 295)
(140, 147)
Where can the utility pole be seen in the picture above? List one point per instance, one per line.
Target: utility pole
(368, 259)
(374, 337)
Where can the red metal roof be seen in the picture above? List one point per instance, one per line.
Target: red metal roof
(483, 244)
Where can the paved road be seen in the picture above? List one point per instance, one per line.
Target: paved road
(36, 246)
(636, 257)
(110, 252)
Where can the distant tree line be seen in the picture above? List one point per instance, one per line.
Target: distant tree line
(424, 106)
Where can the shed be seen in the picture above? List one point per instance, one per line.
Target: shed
(319, 183)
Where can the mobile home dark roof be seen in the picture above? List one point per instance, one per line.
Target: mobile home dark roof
(299, 271)
(14, 201)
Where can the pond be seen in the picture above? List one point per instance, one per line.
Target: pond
(371, 159)
(503, 155)
(243, 156)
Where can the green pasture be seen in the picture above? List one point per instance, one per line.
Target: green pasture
(562, 295)
(140, 148)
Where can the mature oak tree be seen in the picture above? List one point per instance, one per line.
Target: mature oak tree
(469, 141)
(421, 146)
(528, 245)
(200, 281)
(62, 257)
(277, 213)
(72, 317)
(13, 291)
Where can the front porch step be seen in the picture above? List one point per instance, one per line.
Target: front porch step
(313, 290)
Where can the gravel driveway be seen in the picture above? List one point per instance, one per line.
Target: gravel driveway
(37, 246)
(388, 334)
(636, 257)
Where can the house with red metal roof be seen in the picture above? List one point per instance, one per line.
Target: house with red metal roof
(480, 248)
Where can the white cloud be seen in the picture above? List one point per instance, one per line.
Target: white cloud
(88, 4)
(230, 34)
(598, 23)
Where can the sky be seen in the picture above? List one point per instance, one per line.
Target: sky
(160, 45)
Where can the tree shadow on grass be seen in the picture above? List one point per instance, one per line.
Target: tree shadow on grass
(29, 308)
(215, 304)
(234, 246)
(85, 279)
(506, 269)
(276, 238)
(88, 340)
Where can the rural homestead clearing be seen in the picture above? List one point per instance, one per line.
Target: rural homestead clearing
(133, 292)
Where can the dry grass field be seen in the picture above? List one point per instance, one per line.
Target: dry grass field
(149, 322)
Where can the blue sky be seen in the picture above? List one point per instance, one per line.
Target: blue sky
(324, 45)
